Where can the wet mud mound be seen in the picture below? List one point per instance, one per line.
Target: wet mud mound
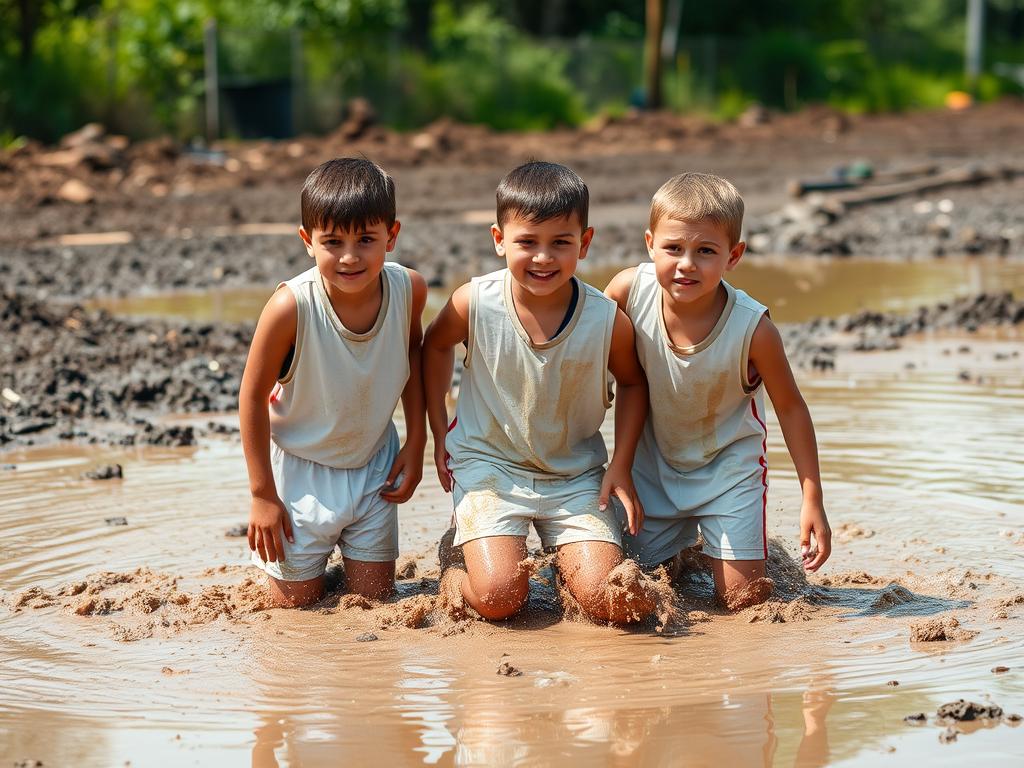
(72, 373)
(145, 603)
(816, 343)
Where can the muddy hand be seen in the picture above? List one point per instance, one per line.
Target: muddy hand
(268, 519)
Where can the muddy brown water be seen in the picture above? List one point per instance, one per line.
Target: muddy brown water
(796, 289)
(923, 481)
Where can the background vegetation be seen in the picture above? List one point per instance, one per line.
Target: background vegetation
(137, 65)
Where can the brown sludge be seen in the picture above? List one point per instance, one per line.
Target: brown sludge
(938, 629)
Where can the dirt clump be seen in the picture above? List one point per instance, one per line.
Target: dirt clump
(939, 629)
(505, 669)
(406, 568)
(963, 710)
(779, 612)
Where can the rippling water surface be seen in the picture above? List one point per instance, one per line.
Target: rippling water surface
(929, 465)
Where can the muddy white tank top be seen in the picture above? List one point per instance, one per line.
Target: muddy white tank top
(533, 408)
(703, 409)
(334, 404)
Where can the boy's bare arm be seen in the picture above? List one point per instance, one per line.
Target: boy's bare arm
(618, 288)
(631, 401)
(768, 355)
(449, 328)
(409, 461)
(274, 337)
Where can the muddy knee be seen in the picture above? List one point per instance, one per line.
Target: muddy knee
(497, 598)
(744, 595)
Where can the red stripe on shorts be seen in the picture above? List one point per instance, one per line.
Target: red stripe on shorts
(764, 477)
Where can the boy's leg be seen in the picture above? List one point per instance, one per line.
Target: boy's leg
(735, 540)
(296, 594)
(585, 568)
(493, 508)
(373, 580)
(307, 491)
(494, 583)
(589, 550)
(740, 583)
(369, 543)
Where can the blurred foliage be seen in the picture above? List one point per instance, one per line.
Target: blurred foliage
(137, 65)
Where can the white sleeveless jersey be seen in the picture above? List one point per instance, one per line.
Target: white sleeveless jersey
(706, 420)
(334, 404)
(533, 408)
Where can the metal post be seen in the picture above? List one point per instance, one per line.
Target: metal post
(211, 82)
(975, 31)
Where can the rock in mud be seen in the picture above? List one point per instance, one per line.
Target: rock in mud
(366, 637)
(406, 568)
(106, 472)
(999, 670)
(938, 629)
(115, 521)
(963, 711)
(917, 718)
(507, 670)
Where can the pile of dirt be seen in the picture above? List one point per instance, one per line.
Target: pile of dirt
(815, 344)
(939, 629)
(73, 373)
(146, 602)
(97, 182)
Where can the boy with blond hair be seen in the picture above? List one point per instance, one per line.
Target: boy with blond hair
(707, 349)
(525, 445)
(334, 350)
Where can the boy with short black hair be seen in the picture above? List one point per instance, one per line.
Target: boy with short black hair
(335, 348)
(525, 445)
(706, 349)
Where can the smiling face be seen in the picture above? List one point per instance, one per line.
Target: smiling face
(690, 257)
(542, 256)
(351, 260)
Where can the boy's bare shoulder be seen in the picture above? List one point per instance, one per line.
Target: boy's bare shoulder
(619, 286)
(280, 308)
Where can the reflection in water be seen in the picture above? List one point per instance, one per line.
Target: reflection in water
(930, 464)
(422, 702)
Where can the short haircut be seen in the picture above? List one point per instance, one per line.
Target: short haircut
(349, 193)
(539, 191)
(699, 197)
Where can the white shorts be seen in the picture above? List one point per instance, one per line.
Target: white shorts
(333, 507)
(732, 525)
(494, 501)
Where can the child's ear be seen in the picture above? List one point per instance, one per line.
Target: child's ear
(649, 239)
(585, 240)
(393, 235)
(499, 240)
(307, 240)
(735, 255)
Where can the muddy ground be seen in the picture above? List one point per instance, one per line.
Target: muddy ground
(183, 220)
(86, 375)
(178, 206)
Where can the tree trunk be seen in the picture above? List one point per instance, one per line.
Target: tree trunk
(655, 24)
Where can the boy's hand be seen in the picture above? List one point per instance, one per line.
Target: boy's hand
(813, 521)
(619, 481)
(405, 475)
(441, 465)
(267, 519)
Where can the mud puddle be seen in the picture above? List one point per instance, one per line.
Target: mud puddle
(797, 289)
(923, 488)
